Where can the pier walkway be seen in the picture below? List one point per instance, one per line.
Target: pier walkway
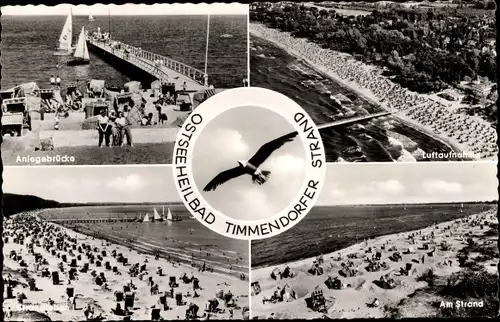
(170, 71)
(352, 120)
(87, 221)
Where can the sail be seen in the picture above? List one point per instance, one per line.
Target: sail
(66, 39)
(156, 215)
(146, 218)
(90, 17)
(81, 50)
(169, 214)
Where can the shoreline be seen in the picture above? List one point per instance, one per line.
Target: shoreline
(43, 235)
(355, 245)
(180, 259)
(364, 93)
(360, 286)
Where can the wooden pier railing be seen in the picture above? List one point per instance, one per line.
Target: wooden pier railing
(149, 62)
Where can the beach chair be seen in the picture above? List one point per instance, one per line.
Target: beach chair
(178, 299)
(173, 282)
(163, 301)
(256, 288)
(10, 294)
(55, 278)
(129, 301)
(118, 296)
(318, 302)
(155, 314)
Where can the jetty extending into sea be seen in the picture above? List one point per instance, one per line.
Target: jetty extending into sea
(146, 65)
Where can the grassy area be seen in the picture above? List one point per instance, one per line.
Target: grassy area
(470, 285)
(146, 153)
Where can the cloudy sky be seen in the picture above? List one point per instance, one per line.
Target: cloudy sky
(129, 9)
(93, 184)
(409, 183)
(345, 184)
(236, 135)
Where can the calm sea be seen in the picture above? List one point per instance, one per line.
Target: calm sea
(186, 240)
(327, 229)
(273, 68)
(28, 44)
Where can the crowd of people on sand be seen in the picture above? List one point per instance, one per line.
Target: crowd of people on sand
(472, 132)
(389, 261)
(97, 280)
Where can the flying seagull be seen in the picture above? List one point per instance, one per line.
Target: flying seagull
(251, 167)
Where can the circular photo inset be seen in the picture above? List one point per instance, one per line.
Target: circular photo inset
(249, 163)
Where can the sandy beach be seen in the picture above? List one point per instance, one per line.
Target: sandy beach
(89, 278)
(390, 276)
(428, 114)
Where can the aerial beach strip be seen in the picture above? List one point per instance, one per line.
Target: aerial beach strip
(370, 279)
(36, 250)
(315, 57)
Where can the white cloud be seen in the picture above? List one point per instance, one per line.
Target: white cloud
(390, 186)
(284, 164)
(220, 146)
(437, 186)
(132, 182)
(337, 193)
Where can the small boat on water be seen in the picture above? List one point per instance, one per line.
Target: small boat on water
(146, 218)
(226, 36)
(156, 216)
(81, 55)
(91, 18)
(170, 217)
(66, 38)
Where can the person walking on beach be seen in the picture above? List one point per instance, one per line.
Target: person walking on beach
(58, 81)
(52, 80)
(126, 128)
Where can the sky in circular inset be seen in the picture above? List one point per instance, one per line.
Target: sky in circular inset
(237, 134)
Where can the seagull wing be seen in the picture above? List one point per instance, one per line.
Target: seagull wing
(223, 177)
(265, 151)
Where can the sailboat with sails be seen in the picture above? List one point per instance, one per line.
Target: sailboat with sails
(146, 218)
(91, 18)
(156, 215)
(66, 38)
(81, 55)
(170, 217)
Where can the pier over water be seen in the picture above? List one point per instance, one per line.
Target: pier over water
(154, 66)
